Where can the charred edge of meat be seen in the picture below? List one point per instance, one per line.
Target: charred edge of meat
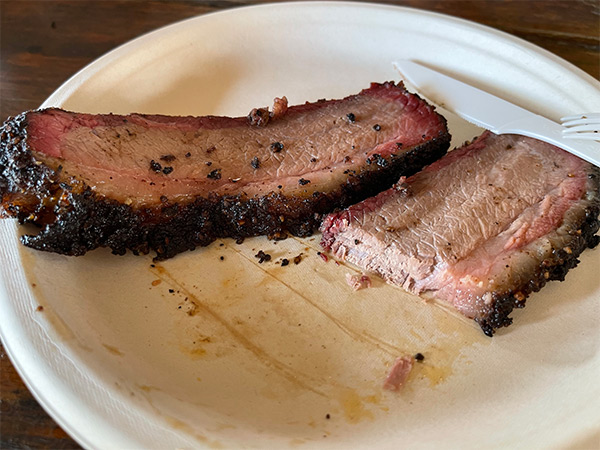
(74, 219)
(553, 268)
(20, 176)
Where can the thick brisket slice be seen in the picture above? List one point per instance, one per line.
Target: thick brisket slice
(169, 184)
(481, 228)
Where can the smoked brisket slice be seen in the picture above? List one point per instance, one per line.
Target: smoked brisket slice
(169, 184)
(481, 229)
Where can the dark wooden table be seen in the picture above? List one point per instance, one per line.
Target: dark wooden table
(43, 43)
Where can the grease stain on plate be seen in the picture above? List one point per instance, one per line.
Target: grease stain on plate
(262, 345)
(113, 350)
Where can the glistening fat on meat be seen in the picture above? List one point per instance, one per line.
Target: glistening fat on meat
(481, 229)
(168, 184)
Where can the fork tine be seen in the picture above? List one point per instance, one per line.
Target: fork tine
(570, 123)
(579, 128)
(584, 137)
(580, 118)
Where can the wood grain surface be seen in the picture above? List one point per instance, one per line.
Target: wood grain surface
(43, 43)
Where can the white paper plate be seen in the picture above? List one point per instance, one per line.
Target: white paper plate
(265, 356)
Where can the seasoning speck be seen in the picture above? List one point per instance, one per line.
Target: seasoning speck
(255, 163)
(284, 262)
(39, 308)
(214, 175)
(419, 357)
(298, 258)
(188, 154)
(155, 167)
(276, 147)
(222, 258)
(167, 170)
(377, 127)
(302, 181)
(351, 117)
(327, 416)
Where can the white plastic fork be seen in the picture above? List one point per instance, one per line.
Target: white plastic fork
(582, 126)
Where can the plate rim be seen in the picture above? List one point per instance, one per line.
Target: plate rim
(73, 82)
(81, 76)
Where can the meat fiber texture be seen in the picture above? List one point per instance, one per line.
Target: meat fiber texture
(169, 184)
(481, 228)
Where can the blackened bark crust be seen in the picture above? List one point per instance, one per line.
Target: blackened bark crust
(74, 219)
(583, 235)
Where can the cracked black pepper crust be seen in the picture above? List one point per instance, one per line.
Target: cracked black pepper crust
(582, 236)
(74, 219)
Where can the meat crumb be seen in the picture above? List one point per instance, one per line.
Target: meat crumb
(399, 373)
(40, 308)
(323, 256)
(259, 117)
(297, 259)
(262, 257)
(280, 107)
(358, 282)
(419, 357)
